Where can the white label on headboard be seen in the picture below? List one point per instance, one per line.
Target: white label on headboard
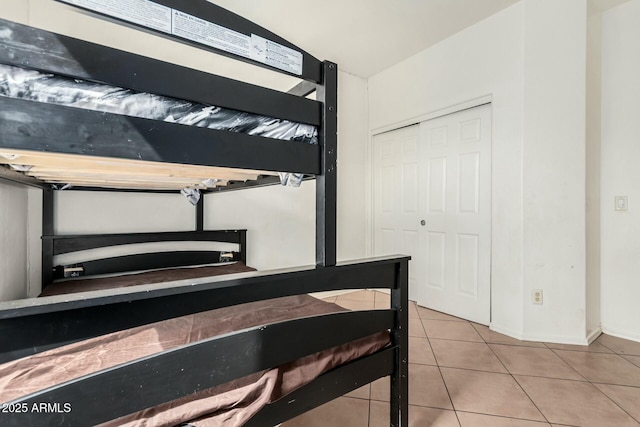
(276, 55)
(207, 33)
(172, 21)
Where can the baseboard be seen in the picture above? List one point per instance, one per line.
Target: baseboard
(557, 339)
(627, 335)
(506, 331)
(594, 335)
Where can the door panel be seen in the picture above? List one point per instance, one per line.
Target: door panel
(438, 172)
(395, 181)
(456, 243)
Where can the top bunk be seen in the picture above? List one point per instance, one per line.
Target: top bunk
(81, 115)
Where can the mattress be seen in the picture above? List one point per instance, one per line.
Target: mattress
(229, 404)
(16, 82)
(33, 85)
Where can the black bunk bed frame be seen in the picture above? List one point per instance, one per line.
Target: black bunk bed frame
(31, 326)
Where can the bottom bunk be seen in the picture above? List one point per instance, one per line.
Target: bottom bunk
(244, 349)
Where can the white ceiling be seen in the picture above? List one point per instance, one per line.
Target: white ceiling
(364, 36)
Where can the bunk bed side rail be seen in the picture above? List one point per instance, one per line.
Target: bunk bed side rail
(78, 316)
(251, 350)
(45, 51)
(35, 126)
(225, 358)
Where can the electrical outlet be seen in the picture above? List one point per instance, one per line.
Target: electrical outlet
(536, 296)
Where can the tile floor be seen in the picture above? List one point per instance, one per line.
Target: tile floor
(462, 374)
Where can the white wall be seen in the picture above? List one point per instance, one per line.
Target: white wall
(620, 171)
(593, 176)
(554, 168)
(281, 221)
(530, 59)
(353, 132)
(13, 242)
(485, 59)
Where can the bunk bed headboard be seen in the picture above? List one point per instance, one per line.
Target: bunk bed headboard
(91, 134)
(58, 245)
(53, 245)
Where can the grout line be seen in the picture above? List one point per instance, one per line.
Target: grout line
(568, 364)
(530, 399)
(516, 381)
(614, 384)
(614, 402)
(631, 361)
(440, 371)
(508, 418)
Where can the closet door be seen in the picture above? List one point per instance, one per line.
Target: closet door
(395, 193)
(455, 214)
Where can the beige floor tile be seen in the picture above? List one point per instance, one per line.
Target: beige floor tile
(355, 305)
(330, 299)
(413, 311)
(362, 295)
(493, 337)
(427, 313)
(594, 347)
(380, 389)
(602, 368)
(539, 362)
(620, 345)
(363, 392)
(342, 411)
(381, 305)
(467, 355)
(479, 420)
(489, 393)
(574, 403)
(444, 329)
(418, 416)
(633, 359)
(420, 351)
(415, 328)
(381, 297)
(425, 388)
(628, 398)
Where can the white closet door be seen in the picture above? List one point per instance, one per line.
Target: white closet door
(395, 181)
(455, 207)
(432, 200)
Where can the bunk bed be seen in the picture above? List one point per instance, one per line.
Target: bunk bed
(57, 143)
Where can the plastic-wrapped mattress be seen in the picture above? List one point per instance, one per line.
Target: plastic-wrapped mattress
(16, 82)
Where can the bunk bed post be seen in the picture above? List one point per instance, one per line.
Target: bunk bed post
(399, 406)
(242, 235)
(326, 183)
(47, 232)
(200, 214)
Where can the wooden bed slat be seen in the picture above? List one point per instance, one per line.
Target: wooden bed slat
(79, 162)
(114, 173)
